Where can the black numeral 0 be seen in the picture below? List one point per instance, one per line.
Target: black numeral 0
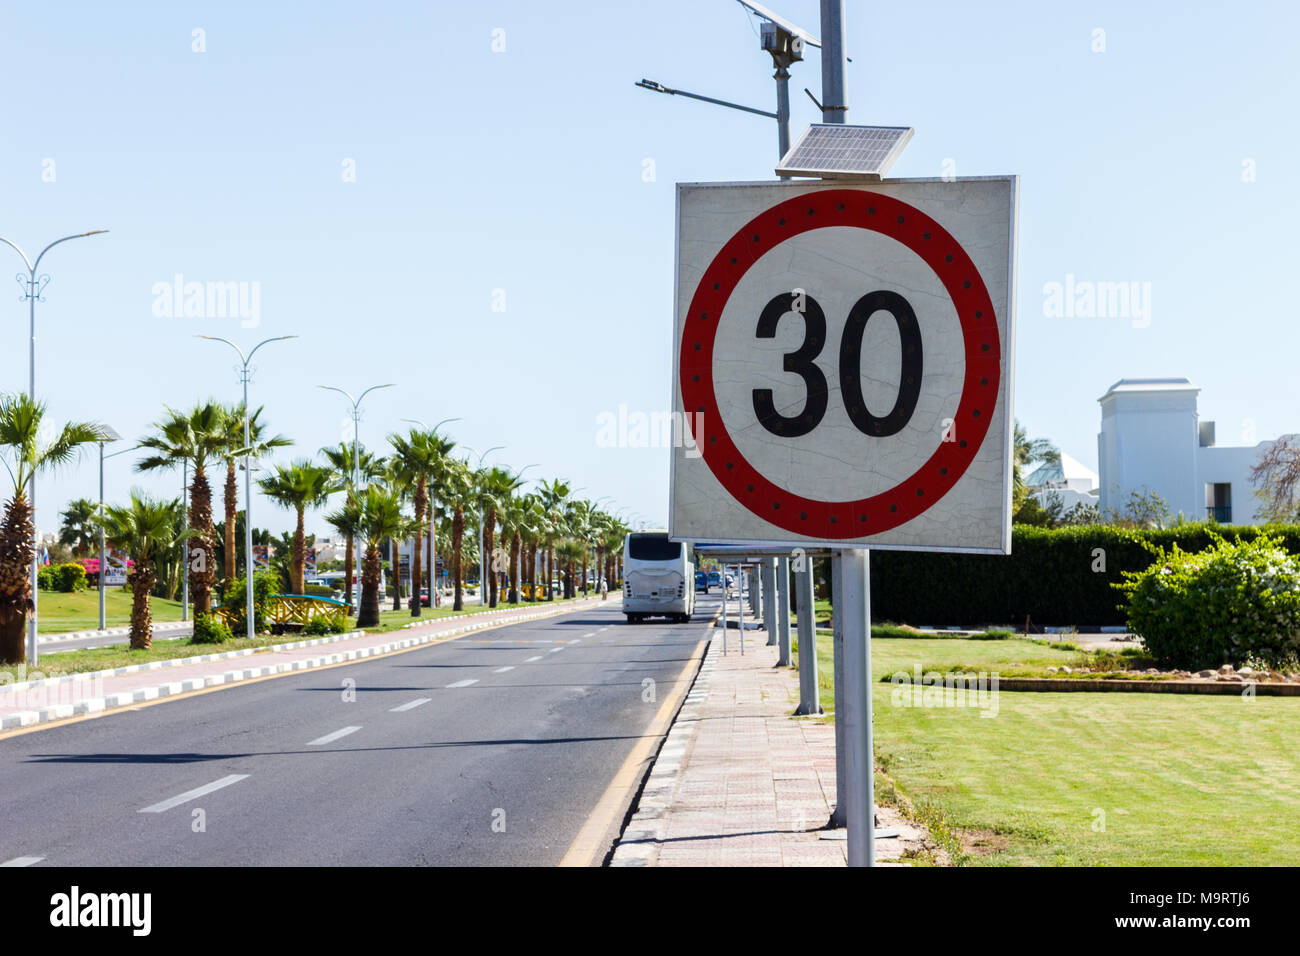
(801, 362)
(909, 383)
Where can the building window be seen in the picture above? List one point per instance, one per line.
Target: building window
(1218, 502)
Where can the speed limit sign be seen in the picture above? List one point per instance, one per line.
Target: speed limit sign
(843, 362)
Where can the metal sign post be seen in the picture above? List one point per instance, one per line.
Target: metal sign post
(859, 773)
(785, 658)
(806, 611)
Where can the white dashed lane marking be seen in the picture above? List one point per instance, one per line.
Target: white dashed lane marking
(197, 792)
(463, 683)
(22, 861)
(531, 659)
(410, 705)
(502, 670)
(330, 738)
(556, 650)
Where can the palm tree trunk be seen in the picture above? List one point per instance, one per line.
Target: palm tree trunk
(457, 538)
(15, 579)
(232, 509)
(397, 574)
(142, 583)
(550, 568)
(299, 555)
(417, 556)
(368, 613)
(202, 563)
(347, 572)
(489, 545)
(516, 544)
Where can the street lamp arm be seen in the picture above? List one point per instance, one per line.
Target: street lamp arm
(660, 88)
(81, 235)
(371, 389)
(335, 388)
(217, 338)
(278, 338)
(27, 262)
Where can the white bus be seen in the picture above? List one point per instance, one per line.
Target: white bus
(658, 577)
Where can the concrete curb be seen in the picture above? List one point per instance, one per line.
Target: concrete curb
(639, 841)
(91, 705)
(163, 629)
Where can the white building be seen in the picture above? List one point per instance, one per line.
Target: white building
(1152, 439)
(1073, 482)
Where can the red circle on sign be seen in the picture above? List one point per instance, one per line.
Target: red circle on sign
(839, 520)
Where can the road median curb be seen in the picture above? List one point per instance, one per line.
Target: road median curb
(109, 701)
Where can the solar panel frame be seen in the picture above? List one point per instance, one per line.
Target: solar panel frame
(835, 151)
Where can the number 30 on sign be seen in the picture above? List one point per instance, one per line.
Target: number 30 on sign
(842, 364)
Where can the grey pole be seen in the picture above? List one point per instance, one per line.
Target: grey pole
(741, 574)
(834, 107)
(859, 769)
(782, 76)
(185, 561)
(724, 610)
(771, 605)
(806, 609)
(784, 657)
(102, 569)
(837, 673)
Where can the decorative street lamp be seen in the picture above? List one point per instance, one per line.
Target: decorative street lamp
(33, 285)
(244, 377)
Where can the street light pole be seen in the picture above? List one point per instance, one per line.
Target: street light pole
(108, 435)
(32, 287)
(244, 377)
(356, 462)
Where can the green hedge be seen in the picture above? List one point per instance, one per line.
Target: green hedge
(1048, 576)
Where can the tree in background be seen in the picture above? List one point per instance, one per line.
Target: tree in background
(80, 530)
(148, 530)
(554, 498)
(232, 452)
(298, 486)
(1277, 479)
(340, 459)
(380, 518)
(197, 437)
(25, 456)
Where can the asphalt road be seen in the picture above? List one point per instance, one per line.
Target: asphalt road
(488, 750)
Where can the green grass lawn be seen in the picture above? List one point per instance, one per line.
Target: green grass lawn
(1177, 780)
(79, 611)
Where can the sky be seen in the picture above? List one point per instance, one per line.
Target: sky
(475, 203)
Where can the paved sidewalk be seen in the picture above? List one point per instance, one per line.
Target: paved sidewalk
(56, 698)
(739, 782)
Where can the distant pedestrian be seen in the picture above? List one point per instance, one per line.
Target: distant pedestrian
(604, 589)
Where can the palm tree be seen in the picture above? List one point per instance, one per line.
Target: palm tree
(25, 456)
(380, 517)
(494, 486)
(340, 459)
(456, 492)
(80, 529)
(197, 437)
(146, 529)
(419, 457)
(299, 486)
(1026, 451)
(518, 522)
(570, 551)
(554, 498)
(579, 516)
(233, 452)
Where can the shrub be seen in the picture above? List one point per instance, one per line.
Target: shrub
(66, 577)
(1055, 576)
(45, 577)
(1233, 602)
(317, 590)
(264, 588)
(320, 627)
(211, 629)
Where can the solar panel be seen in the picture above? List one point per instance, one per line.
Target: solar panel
(833, 151)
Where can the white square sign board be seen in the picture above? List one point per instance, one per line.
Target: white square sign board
(843, 364)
